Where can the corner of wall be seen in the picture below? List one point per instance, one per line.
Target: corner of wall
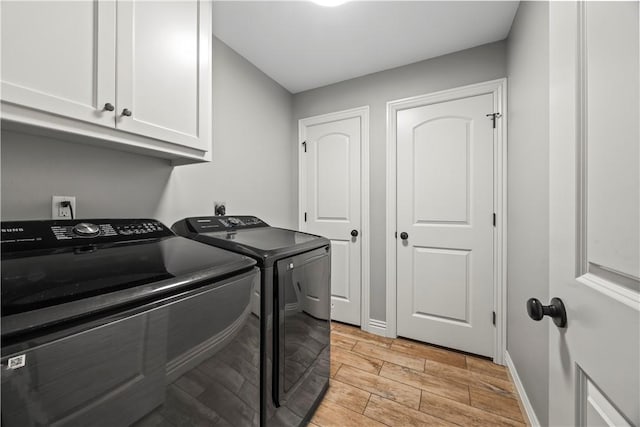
(528, 228)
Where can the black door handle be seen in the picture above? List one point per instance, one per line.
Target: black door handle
(555, 310)
(404, 236)
(354, 233)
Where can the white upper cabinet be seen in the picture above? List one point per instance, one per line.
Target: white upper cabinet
(163, 70)
(60, 57)
(133, 75)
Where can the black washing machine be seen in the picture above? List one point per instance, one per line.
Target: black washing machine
(118, 322)
(293, 303)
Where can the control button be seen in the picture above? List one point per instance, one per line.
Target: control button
(86, 229)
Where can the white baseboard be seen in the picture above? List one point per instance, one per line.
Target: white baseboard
(533, 419)
(377, 327)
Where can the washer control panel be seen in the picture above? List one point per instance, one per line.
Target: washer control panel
(145, 228)
(240, 222)
(19, 235)
(109, 229)
(224, 223)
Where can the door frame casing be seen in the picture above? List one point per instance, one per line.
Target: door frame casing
(498, 88)
(363, 114)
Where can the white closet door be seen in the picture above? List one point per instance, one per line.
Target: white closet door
(333, 193)
(445, 224)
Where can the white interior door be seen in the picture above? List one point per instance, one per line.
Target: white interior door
(445, 207)
(594, 362)
(331, 178)
(60, 57)
(163, 70)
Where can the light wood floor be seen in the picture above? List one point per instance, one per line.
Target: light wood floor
(377, 381)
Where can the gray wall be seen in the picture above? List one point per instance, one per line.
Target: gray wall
(528, 192)
(251, 168)
(474, 65)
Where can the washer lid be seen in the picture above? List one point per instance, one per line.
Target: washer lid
(266, 238)
(249, 235)
(265, 244)
(34, 280)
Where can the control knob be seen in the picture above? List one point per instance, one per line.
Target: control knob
(86, 229)
(234, 221)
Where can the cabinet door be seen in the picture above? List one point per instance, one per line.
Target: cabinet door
(163, 71)
(59, 57)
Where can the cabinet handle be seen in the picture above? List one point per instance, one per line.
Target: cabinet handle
(126, 112)
(109, 107)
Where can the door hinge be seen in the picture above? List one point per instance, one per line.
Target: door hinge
(396, 233)
(494, 116)
(305, 217)
(494, 219)
(304, 144)
(494, 318)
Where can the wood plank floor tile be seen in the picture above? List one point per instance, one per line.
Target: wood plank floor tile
(506, 406)
(360, 361)
(331, 415)
(462, 414)
(470, 378)
(486, 367)
(347, 395)
(394, 414)
(359, 335)
(389, 355)
(370, 387)
(342, 341)
(333, 368)
(430, 353)
(384, 387)
(431, 383)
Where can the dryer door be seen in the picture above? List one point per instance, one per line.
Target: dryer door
(302, 310)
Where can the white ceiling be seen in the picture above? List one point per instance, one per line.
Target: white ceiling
(302, 45)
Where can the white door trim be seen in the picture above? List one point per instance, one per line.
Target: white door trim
(365, 236)
(499, 89)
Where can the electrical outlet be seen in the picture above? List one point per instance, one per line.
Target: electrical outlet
(61, 212)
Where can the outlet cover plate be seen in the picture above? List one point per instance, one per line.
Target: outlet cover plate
(58, 212)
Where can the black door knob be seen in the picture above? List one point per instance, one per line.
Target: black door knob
(109, 107)
(126, 112)
(354, 233)
(404, 236)
(555, 310)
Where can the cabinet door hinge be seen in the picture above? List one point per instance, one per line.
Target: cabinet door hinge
(494, 116)
(304, 144)
(494, 318)
(494, 219)
(396, 234)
